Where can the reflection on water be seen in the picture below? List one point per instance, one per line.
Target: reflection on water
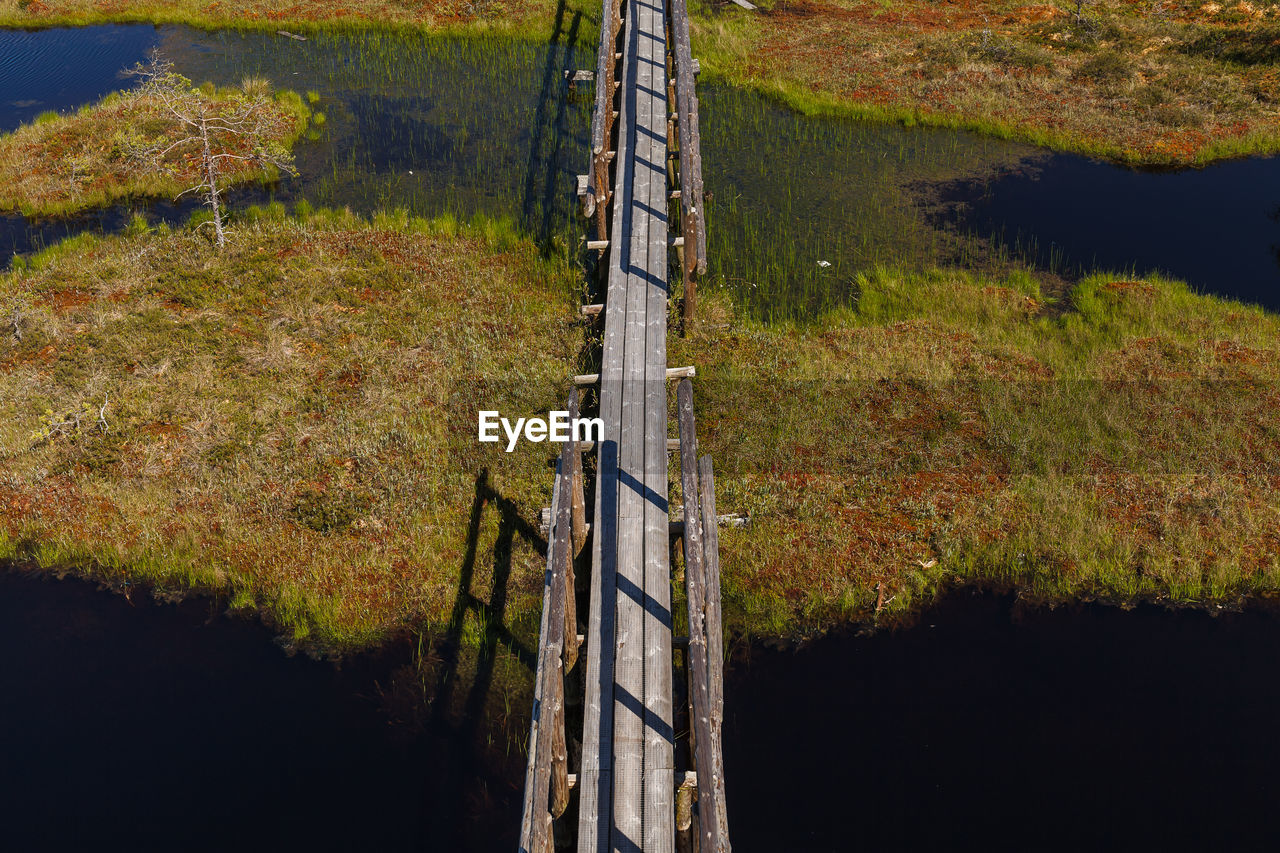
(432, 125)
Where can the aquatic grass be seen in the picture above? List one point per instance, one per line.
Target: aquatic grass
(798, 208)
(434, 124)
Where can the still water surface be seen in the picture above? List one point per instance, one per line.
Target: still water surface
(131, 725)
(128, 725)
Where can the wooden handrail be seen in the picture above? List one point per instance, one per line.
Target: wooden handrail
(572, 455)
(596, 199)
(712, 831)
(547, 774)
(692, 215)
(715, 637)
(561, 549)
(533, 825)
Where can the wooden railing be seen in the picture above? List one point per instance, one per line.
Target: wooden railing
(706, 651)
(546, 789)
(693, 228)
(597, 194)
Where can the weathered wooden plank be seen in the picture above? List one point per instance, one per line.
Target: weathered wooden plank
(709, 840)
(562, 558)
(628, 730)
(711, 548)
(578, 499)
(715, 639)
(659, 746)
(586, 379)
(595, 809)
(537, 774)
(577, 510)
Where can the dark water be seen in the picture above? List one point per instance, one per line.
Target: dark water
(798, 206)
(982, 728)
(127, 725)
(131, 725)
(63, 69)
(1218, 228)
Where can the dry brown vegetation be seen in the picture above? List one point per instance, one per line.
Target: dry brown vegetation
(955, 430)
(1155, 82)
(1145, 81)
(291, 421)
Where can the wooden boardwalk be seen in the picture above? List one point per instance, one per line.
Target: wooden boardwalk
(626, 792)
(635, 784)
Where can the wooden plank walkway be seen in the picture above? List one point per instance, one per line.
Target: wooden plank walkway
(626, 789)
(630, 797)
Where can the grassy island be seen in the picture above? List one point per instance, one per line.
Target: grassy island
(1163, 83)
(1118, 444)
(62, 164)
(291, 421)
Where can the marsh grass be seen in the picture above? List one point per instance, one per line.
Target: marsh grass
(290, 422)
(1163, 84)
(955, 429)
(797, 207)
(1155, 84)
(60, 165)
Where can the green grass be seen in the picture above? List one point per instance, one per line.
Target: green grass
(64, 164)
(952, 429)
(289, 422)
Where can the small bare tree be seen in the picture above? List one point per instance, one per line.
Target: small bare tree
(213, 134)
